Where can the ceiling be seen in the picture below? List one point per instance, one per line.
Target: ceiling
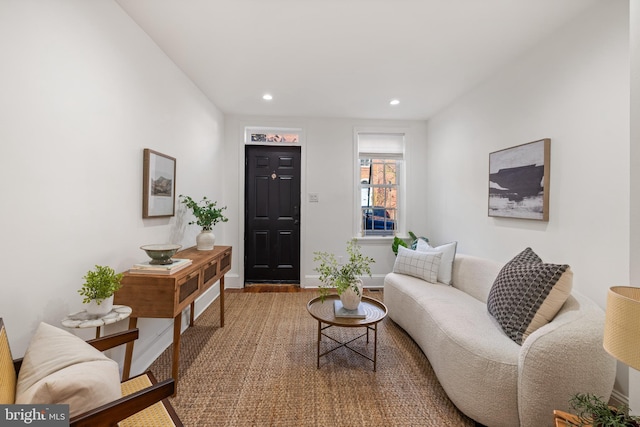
(345, 58)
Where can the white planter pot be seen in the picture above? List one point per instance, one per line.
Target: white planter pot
(350, 298)
(105, 306)
(205, 240)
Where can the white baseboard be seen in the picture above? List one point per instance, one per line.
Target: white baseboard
(618, 399)
(232, 281)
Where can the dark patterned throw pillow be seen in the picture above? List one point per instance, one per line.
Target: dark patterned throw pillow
(528, 293)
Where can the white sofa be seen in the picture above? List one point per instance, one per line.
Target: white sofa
(487, 375)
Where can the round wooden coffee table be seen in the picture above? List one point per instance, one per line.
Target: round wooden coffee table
(323, 312)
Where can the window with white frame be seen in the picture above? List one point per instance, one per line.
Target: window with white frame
(380, 159)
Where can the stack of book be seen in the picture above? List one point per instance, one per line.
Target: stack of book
(340, 311)
(148, 268)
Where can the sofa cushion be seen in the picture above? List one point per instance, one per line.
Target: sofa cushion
(528, 293)
(448, 251)
(422, 265)
(58, 367)
(475, 276)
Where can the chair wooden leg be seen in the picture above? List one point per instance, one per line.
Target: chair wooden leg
(128, 354)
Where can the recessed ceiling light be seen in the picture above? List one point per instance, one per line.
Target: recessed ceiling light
(267, 97)
(394, 102)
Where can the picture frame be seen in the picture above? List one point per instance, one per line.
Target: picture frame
(158, 185)
(519, 181)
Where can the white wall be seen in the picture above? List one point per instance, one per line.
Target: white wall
(328, 169)
(574, 89)
(84, 90)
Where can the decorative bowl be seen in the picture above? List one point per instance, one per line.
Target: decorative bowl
(161, 254)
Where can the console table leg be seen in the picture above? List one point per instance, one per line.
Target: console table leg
(175, 360)
(192, 309)
(128, 354)
(222, 302)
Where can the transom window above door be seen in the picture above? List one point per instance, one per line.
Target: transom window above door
(268, 136)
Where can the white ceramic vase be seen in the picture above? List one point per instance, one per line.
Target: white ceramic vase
(105, 306)
(350, 298)
(205, 240)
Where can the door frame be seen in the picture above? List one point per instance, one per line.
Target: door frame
(244, 130)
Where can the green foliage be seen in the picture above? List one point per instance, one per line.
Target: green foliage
(100, 284)
(206, 213)
(399, 242)
(341, 277)
(591, 410)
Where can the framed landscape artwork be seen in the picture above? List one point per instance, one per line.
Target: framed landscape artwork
(519, 181)
(159, 185)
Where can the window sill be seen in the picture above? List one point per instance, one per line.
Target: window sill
(374, 239)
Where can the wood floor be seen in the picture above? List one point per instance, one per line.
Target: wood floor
(268, 287)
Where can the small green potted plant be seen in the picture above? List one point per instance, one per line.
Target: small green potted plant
(344, 278)
(592, 411)
(207, 215)
(98, 289)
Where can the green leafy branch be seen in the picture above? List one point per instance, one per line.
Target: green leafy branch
(206, 213)
(342, 276)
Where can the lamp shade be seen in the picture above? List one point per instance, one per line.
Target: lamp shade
(622, 325)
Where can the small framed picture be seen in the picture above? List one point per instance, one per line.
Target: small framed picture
(158, 185)
(519, 181)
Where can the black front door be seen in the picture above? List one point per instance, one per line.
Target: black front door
(272, 214)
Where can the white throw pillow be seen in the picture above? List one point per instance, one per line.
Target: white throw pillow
(446, 264)
(422, 265)
(58, 367)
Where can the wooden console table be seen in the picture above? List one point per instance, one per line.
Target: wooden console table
(166, 296)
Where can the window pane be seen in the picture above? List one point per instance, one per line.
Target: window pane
(378, 221)
(378, 196)
(390, 175)
(274, 137)
(384, 172)
(377, 172)
(383, 196)
(365, 197)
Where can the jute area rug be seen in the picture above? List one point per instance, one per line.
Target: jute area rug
(260, 370)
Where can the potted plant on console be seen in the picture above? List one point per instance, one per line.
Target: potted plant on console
(98, 289)
(207, 215)
(345, 278)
